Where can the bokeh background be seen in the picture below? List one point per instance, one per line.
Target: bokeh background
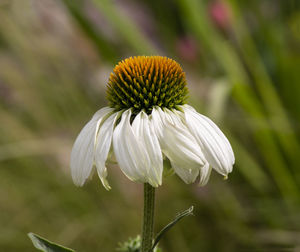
(242, 62)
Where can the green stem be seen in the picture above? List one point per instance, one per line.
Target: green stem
(148, 219)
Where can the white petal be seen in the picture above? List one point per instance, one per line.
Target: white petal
(157, 122)
(175, 138)
(128, 150)
(224, 142)
(173, 117)
(214, 144)
(103, 143)
(178, 144)
(181, 148)
(147, 138)
(204, 174)
(82, 155)
(160, 118)
(187, 175)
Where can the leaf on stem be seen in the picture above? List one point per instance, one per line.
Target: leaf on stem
(45, 245)
(178, 217)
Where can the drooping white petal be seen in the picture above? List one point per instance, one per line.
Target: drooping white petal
(178, 144)
(160, 118)
(147, 138)
(181, 148)
(128, 151)
(187, 175)
(82, 155)
(157, 122)
(172, 116)
(103, 143)
(204, 174)
(225, 142)
(214, 144)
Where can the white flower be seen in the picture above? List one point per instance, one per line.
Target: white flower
(148, 121)
(191, 141)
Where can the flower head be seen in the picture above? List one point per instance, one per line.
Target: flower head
(146, 122)
(141, 83)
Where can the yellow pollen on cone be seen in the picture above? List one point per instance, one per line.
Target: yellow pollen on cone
(143, 82)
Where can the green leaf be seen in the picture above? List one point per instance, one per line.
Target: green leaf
(179, 216)
(45, 245)
(133, 245)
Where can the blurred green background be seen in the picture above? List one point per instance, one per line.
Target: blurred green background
(242, 62)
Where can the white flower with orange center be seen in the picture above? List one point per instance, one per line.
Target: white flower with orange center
(147, 122)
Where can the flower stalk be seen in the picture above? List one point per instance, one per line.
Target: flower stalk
(148, 218)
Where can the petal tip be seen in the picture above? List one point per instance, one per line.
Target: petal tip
(202, 184)
(105, 184)
(78, 183)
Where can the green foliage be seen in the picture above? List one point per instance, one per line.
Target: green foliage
(45, 245)
(134, 245)
(179, 216)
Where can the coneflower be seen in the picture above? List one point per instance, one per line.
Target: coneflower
(147, 121)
